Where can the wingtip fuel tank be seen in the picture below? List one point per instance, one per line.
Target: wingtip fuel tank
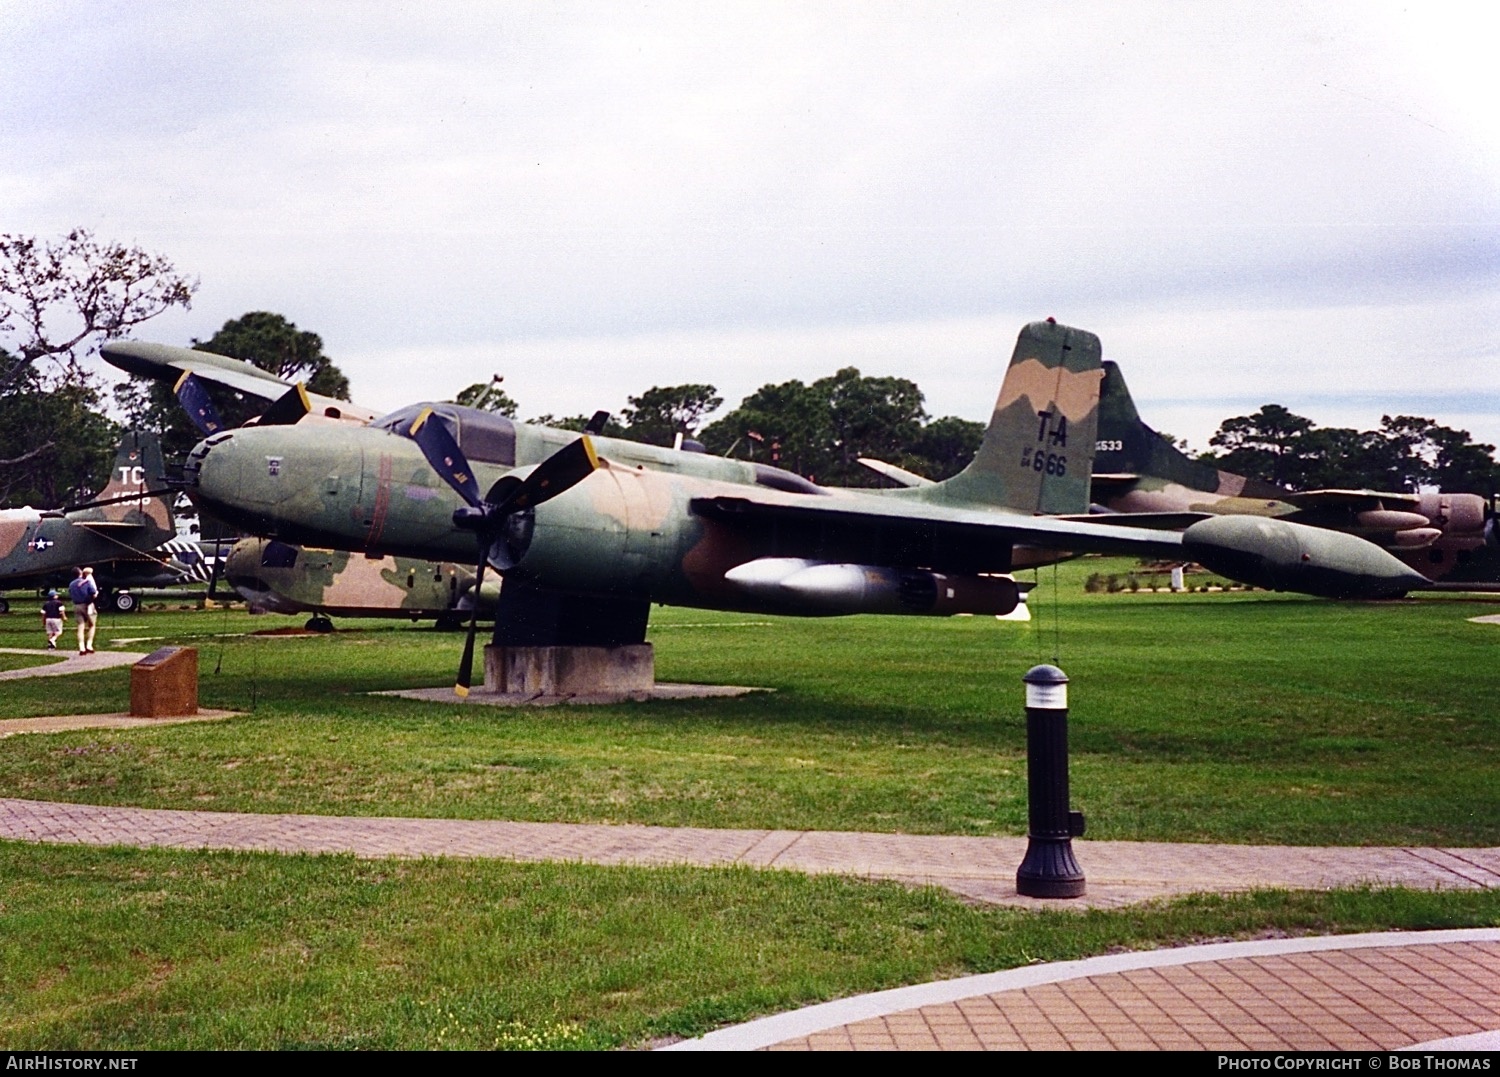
(1282, 556)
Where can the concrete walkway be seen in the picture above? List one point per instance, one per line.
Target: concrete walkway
(61, 723)
(71, 662)
(1377, 992)
(982, 869)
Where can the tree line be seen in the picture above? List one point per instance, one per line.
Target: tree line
(818, 429)
(1403, 453)
(59, 300)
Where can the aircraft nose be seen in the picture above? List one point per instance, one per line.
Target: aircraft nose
(230, 469)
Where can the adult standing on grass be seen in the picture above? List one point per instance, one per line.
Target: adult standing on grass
(83, 590)
(53, 616)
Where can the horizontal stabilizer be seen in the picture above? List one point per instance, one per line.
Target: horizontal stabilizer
(113, 527)
(898, 475)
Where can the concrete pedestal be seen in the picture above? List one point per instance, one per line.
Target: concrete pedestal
(164, 684)
(569, 671)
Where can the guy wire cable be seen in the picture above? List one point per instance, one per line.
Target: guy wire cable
(223, 637)
(1036, 614)
(1056, 621)
(254, 671)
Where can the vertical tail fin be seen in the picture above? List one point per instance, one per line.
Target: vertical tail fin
(136, 491)
(1127, 446)
(1038, 452)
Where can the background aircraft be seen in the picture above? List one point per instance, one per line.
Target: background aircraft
(126, 533)
(182, 367)
(282, 578)
(1449, 538)
(587, 541)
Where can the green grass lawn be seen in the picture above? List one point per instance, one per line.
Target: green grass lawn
(1225, 717)
(132, 949)
(26, 661)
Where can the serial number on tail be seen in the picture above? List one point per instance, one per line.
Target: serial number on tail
(1049, 463)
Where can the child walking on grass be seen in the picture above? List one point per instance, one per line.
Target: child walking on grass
(53, 616)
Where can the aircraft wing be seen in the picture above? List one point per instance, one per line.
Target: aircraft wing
(1267, 553)
(972, 534)
(163, 362)
(1158, 521)
(1348, 499)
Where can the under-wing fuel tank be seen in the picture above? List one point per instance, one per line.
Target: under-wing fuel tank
(816, 586)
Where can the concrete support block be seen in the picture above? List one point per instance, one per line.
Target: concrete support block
(569, 671)
(164, 684)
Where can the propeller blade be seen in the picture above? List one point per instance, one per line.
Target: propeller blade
(555, 475)
(466, 665)
(288, 408)
(446, 458)
(597, 424)
(195, 401)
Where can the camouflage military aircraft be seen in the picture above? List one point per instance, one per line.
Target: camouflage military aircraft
(121, 533)
(281, 578)
(589, 532)
(1449, 538)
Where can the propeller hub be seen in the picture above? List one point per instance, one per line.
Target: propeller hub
(473, 518)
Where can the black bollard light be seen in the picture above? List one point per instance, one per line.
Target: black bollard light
(1049, 869)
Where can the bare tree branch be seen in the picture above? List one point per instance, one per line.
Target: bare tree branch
(58, 297)
(27, 456)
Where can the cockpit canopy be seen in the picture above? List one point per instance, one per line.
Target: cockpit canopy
(483, 436)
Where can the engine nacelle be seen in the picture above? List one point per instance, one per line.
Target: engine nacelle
(1389, 520)
(1418, 538)
(1453, 513)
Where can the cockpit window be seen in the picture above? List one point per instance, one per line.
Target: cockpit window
(488, 437)
(483, 436)
(278, 555)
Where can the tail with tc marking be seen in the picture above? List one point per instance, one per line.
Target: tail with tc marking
(136, 493)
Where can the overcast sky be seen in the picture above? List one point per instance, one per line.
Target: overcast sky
(1295, 203)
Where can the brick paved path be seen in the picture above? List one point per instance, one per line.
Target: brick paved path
(1351, 993)
(1298, 994)
(1118, 872)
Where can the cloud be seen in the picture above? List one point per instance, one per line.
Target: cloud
(1340, 366)
(591, 187)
